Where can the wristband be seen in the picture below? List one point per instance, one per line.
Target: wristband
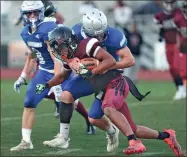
(24, 75)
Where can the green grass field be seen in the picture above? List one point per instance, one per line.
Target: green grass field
(157, 111)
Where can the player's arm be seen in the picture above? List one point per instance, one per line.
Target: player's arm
(107, 61)
(59, 78)
(127, 59)
(181, 24)
(29, 64)
(26, 71)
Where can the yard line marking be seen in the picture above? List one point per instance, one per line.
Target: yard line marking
(62, 152)
(151, 153)
(18, 118)
(133, 104)
(150, 103)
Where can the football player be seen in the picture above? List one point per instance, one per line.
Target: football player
(180, 20)
(35, 36)
(94, 24)
(168, 31)
(50, 11)
(65, 46)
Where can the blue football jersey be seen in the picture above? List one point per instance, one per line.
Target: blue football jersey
(114, 41)
(36, 42)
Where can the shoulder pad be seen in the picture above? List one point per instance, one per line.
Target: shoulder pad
(117, 37)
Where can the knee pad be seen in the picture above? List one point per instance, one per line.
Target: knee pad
(66, 111)
(29, 103)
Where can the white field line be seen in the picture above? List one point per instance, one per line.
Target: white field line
(19, 118)
(134, 104)
(145, 103)
(151, 153)
(62, 152)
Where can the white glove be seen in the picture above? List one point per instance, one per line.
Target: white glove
(57, 90)
(21, 81)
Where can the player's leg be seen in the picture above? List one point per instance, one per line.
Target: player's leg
(97, 118)
(79, 107)
(183, 69)
(176, 65)
(71, 92)
(148, 133)
(57, 104)
(30, 103)
(171, 54)
(116, 91)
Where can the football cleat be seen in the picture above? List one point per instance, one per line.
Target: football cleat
(22, 146)
(172, 142)
(135, 146)
(180, 94)
(58, 142)
(113, 141)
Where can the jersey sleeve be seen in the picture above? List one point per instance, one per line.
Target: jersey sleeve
(118, 39)
(23, 35)
(92, 47)
(49, 27)
(157, 18)
(87, 48)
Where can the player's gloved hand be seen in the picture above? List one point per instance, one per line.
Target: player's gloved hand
(40, 88)
(21, 81)
(57, 90)
(85, 73)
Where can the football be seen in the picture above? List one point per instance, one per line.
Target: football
(90, 63)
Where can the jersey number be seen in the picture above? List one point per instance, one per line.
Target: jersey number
(39, 55)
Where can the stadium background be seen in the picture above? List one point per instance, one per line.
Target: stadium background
(157, 111)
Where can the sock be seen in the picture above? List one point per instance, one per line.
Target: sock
(131, 137)
(26, 134)
(57, 104)
(111, 130)
(82, 111)
(178, 80)
(64, 130)
(162, 135)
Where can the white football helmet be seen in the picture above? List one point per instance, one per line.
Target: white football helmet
(28, 7)
(95, 23)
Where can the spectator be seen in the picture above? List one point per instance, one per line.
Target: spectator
(5, 8)
(149, 8)
(85, 6)
(122, 16)
(134, 44)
